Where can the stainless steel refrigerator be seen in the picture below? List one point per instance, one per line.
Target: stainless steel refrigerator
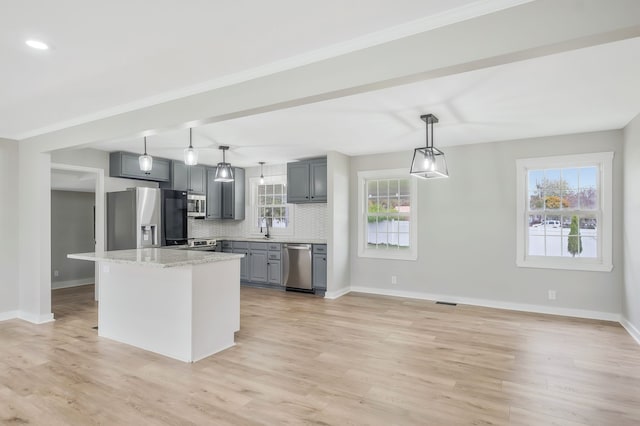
(134, 219)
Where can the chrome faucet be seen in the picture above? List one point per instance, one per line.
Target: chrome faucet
(266, 222)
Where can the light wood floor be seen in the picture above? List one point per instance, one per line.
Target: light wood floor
(305, 360)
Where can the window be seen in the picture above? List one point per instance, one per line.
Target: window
(270, 205)
(387, 226)
(564, 212)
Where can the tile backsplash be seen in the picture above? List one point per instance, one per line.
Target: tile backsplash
(309, 221)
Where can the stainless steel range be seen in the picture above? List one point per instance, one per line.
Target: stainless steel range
(202, 244)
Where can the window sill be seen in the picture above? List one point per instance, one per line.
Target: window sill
(568, 266)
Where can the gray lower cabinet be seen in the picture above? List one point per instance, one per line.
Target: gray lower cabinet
(225, 200)
(307, 181)
(125, 165)
(261, 264)
(319, 267)
(241, 247)
(274, 264)
(259, 272)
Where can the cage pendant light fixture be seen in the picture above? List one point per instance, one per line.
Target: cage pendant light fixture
(224, 171)
(145, 160)
(429, 162)
(261, 174)
(190, 154)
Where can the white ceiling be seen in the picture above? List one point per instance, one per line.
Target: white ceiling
(108, 58)
(579, 91)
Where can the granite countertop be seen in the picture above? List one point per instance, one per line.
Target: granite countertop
(156, 257)
(279, 239)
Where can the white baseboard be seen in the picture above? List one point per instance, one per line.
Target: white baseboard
(631, 329)
(338, 293)
(568, 312)
(8, 315)
(72, 283)
(34, 318)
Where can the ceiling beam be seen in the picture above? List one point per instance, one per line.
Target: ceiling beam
(526, 31)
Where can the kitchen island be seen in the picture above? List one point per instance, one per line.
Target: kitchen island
(179, 303)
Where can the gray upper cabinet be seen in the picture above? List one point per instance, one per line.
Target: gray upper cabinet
(225, 200)
(125, 165)
(187, 178)
(197, 179)
(318, 180)
(307, 181)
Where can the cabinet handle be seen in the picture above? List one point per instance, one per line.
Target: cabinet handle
(324, 258)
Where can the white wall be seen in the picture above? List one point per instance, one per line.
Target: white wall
(338, 268)
(72, 231)
(97, 159)
(8, 228)
(467, 233)
(631, 300)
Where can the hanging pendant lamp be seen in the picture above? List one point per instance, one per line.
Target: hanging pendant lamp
(190, 154)
(224, 171)
(261, 174)
(145, 160)
(429, 162)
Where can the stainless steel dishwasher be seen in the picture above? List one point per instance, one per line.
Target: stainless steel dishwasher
(297, 266)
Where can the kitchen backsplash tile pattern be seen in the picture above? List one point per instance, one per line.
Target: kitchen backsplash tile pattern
(310, 221)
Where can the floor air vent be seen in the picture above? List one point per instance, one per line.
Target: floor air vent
(446, 303)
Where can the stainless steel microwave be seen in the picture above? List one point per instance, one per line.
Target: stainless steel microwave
(196, 205)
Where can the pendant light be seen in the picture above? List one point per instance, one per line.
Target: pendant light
(429, 162)
(261, 174)
(145, 160)
(224, 172)
(190, 154)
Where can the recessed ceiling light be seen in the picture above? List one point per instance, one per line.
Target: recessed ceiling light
(37, 44)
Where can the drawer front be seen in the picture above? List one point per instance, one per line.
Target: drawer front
(274, 255)
(320, 249)
(258, 246)
(240, 244)
(227, 244)
(275, 246)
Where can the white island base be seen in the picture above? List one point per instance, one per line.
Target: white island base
(185, 312)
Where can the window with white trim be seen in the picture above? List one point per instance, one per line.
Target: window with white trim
(387, 226)
(269, 205)
(564, 212)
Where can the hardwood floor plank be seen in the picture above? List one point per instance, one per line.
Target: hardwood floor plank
(298, 359)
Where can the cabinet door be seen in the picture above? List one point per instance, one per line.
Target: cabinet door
(233, 196)
(258, 269)
(198, 179)
(320, 271)
(275, 272)
(214, 196)
(238, 193)
(180, 177)
(298, 182)
(318, 181)
(244, 264)
(228, 198)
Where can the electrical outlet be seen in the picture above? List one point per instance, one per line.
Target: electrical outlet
(552, 295)
(394, 279)
(105, 269)
(56, 273)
